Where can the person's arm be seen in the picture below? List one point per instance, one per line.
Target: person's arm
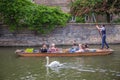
(97, 27)
(99, 30)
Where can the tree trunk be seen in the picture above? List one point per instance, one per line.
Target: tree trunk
(108, 17)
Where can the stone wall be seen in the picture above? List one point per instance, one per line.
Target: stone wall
(82, 33)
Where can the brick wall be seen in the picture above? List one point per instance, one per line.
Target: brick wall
(63, 4)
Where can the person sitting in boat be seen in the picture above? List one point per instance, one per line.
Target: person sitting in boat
(74, 48)
(81, 48)
(44, 48)
(86, 47)
(53, 48)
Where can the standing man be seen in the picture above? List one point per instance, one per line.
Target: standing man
(103, 35)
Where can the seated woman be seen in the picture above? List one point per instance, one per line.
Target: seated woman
(86, 47)
(72, 50)
(53, 49)
(44, 48)
(74, 47)
(81, 48)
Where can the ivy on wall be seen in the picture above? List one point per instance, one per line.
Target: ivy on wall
(19, 14)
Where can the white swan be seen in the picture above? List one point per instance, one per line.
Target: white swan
(52, 64)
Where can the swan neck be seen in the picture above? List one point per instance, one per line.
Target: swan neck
(47, 61)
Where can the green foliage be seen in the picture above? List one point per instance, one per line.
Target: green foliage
(82, 7)
(80, 19)
(44, 19)
(24, 13)
(11, 11)
(117, 20)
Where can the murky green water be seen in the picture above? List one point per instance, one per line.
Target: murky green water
(74, 68)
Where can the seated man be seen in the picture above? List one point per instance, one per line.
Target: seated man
(44, 48)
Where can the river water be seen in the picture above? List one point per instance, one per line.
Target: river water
(73, 68)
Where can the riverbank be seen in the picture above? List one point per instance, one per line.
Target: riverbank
(82, 33)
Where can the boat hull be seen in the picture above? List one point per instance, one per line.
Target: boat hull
(98, 53)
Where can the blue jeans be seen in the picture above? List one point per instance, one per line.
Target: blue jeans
(104, 41)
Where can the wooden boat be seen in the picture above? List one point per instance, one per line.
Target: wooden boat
(66, 54)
